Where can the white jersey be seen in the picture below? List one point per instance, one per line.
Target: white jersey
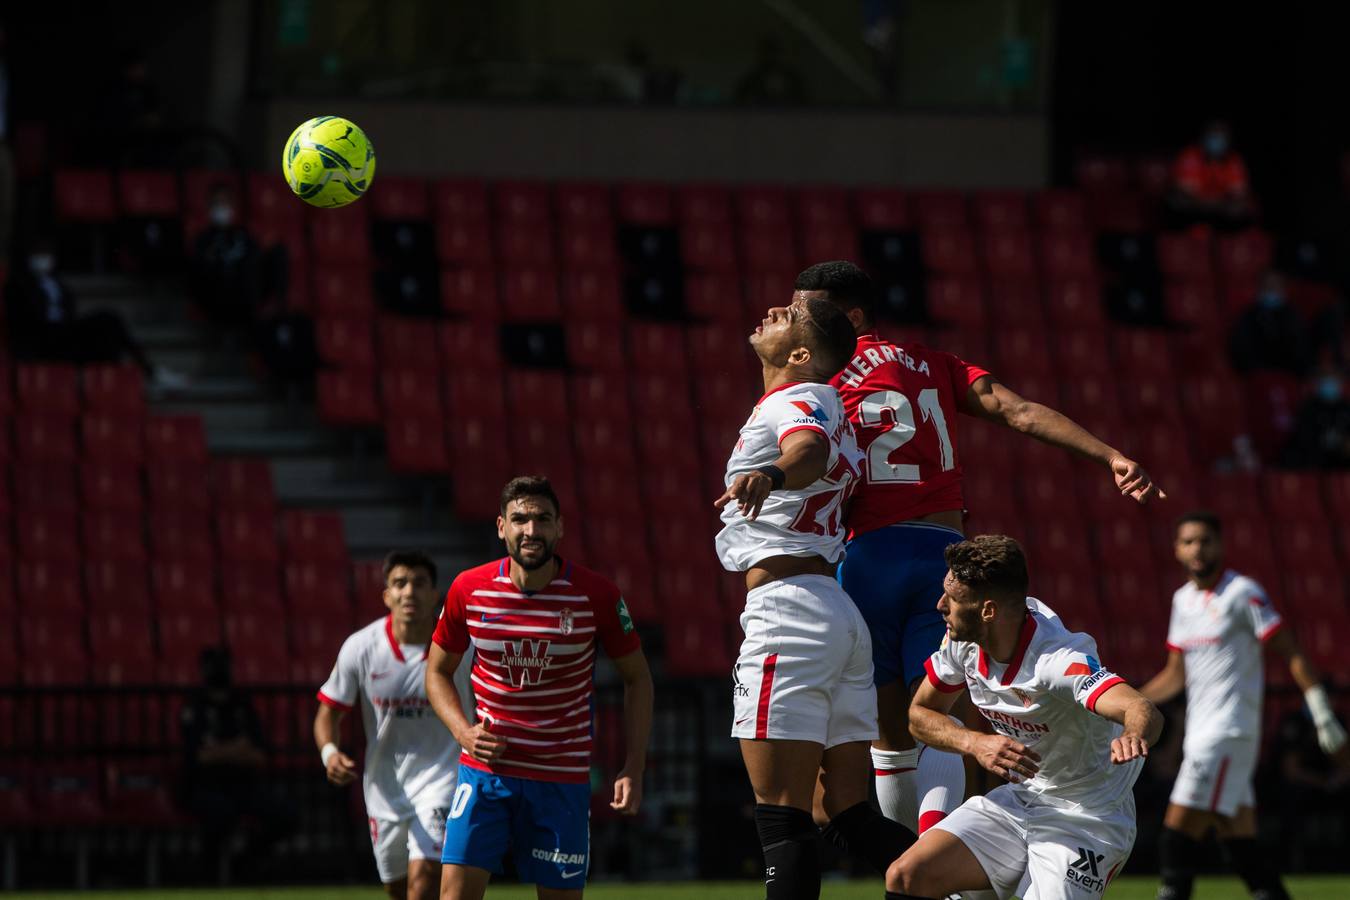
(411, 759)
(1044, 697)
(791, 523)
(1219, 633)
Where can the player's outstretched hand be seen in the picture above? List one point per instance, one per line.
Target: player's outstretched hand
(1128, 747)
(1006, 758)
(749, 490)
(1331, 736)
(341, 769)
(627, 794)
(482, 744)
(1133, 481)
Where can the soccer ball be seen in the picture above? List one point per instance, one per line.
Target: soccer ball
(328, 161)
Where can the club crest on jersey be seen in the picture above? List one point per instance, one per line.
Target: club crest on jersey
(1023, 696)
(565, 621)
(525, 661)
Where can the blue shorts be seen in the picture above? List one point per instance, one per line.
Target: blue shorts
(894, 575)
(546, 825)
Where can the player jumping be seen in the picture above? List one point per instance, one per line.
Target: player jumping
(1070, 738)
(1220, 620)
(534, 620)
(803, 694)
(410, 768)
(908, 507)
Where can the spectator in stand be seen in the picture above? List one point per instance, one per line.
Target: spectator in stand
(233, 278)
(1209, 183)
(1270, 334)
(45, 324)
(224, 759)
(1321, 435)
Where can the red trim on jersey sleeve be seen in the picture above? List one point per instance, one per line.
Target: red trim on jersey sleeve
(393, 641)
(336, 704)
(1174, 648)
(937, 682)
(796, 428)
(1102, 688)
(1270, 631)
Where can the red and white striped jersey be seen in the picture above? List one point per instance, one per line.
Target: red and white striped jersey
(903, 403)
(534, 662)
(1219, 633)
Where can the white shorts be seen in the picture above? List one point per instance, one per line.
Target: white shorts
(1217, 777)
(418, 837)
(1047, 852)
(804, 672)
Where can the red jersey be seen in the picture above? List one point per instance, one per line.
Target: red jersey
(534, 662)
(903, 405)
(1209, 179)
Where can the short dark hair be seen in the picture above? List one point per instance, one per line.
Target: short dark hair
(1202, 517)
(849, 287)
(832, 340)
(989, 562)
(529, 486)
(412, 559)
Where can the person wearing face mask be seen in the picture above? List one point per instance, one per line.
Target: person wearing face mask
(1270, 335)
(1321, 434)
(45, 323)
(1209, 183)
(232, 276)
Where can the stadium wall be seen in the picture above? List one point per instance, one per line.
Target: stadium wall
(947, 151)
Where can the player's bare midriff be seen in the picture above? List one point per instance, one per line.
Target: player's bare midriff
(776, 568)
(947, 518)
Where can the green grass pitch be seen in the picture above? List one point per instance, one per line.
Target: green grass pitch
(1334, 887)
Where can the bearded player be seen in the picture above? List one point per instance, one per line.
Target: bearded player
(908, 508)
(803, 694)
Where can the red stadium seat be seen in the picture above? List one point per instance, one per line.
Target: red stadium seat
(1305, 544)
(117, 537)
(122, 649)
(583, 203)
(45, 487)
(949, 250)
(1048, 494)
(243, 483)
(1152, 397)
(1153, 175)
(1139, 353)
(595, 346)
(271, 200)
(1192, 303)
(475, 392)
(1314, 595)
(719, 297)
(416, 445)
(1066, 254)
(1013, 302)
(830, 243)
(343, 290)
(769, 248)
(368, 585)
(315, 536)
(345, 341)
(1075, 302)
(400, 199)
(57, 583)
(410, 392)
(1216, 415)
(599, 398)
(171, 439)
(1336, 492)
(645, 204)
(182, 535)
(1008, 253)
(464, 242)
(49, 439)
(246, 536)
(455, 200)
(606, 444)
(823, 208)
(1244, 256)
(140, 794)
(259, 650)
(83, 196)
(522, 201)
(592, 293)
(184, 632)
(526, 243)
(1123, 211)
(177, 486)
(1293, 495)
(1082, 351)
(669, 490)
(703, 203)
(148, 194)
(530, 293)
(998, 210)
(118, 586)
(661, 396)
(708, 247)
(1060, 210)
(251, 588)
(463, 346)
(669, 443)
(480, 468)
(657, 348)
(541, 395)
(585, 245)
(883, 209)
(1182, 255)
(48, 535)
(114, 390)
(319, 589)
(762, 207)
(988, 492)
(315, 648)
(69, 794)
(1273, 399)
(1024, 351)
(51, 389)
(717, 350)
(941, 209)
(610, 492)
(404, 342)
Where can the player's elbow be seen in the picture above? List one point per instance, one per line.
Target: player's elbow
(1021, 415)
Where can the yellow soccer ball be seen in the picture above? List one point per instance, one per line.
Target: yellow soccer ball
(328, 161)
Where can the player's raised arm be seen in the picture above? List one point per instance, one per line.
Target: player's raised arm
(804, 456)
(1170, 680)
(1331, 735)
(638, 699)
(1142, 722)
(990, 399)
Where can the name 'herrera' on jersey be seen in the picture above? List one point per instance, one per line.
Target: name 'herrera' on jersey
(857, 369)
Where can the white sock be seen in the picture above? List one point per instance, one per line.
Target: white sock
(896, 792)
(940, 786)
